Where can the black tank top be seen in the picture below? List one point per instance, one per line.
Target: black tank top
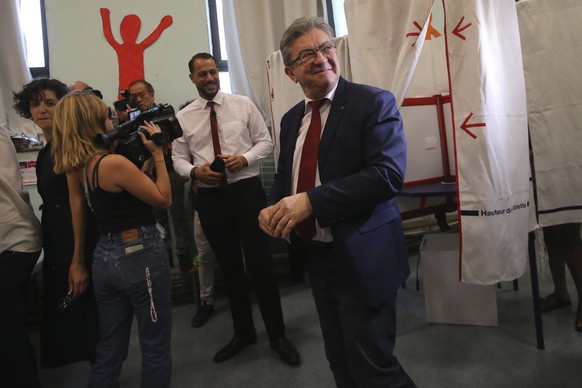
(116, 212)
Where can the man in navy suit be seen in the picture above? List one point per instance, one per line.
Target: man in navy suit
(356, 255)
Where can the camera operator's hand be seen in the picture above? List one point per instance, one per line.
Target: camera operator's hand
(234, 163)
(148, 143)
(205, 175)
(123, 115)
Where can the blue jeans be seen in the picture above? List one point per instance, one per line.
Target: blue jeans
(131, 276)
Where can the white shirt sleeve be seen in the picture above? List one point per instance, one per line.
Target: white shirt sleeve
(181, 157)
(260, 137)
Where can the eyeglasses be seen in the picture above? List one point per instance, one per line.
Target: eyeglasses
(309, 55)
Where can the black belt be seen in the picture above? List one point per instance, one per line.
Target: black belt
(6, 253)
(231, 186)
(55, 205)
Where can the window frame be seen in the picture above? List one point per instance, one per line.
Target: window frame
(330, 17)
(222, 64)
(44, 71)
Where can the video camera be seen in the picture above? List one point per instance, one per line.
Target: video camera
(130, 144)
(122, 104)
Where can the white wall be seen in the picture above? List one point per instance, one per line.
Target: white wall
(78, 49)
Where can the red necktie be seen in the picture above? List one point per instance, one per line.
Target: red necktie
(214, 128)
(214, 133)
(308, 166)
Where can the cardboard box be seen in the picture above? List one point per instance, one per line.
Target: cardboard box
(447, 299)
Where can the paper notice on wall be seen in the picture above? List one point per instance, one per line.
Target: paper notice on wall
(28, 171)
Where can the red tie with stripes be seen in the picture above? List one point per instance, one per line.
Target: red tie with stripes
(308, 166)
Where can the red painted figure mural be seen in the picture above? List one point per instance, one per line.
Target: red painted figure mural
(129, 52)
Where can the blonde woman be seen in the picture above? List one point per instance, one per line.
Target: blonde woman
(130, 266)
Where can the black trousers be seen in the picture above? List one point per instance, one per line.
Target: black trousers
(17, 359)
(358, 339)
(229, 218)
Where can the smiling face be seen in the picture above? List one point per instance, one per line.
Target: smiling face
(318, 77)
(42, 108)
(205, 76)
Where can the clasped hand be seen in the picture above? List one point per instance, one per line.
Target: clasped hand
(232, 163)
(281, 218)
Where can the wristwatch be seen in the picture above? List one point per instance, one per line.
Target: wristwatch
(193, 172)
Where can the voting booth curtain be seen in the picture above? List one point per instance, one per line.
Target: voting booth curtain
(491, 139)
(552, 53)
(484, 75)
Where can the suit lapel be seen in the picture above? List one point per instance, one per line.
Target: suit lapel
(336, 111)
(295, 118)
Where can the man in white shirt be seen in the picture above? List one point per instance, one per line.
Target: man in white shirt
(224, 140)
(20, 245)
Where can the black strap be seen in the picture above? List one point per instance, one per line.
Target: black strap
(95, 178)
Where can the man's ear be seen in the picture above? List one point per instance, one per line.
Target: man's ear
(191, 76)
(290, 73)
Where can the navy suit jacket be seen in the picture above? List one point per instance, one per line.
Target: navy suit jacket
(362, 159)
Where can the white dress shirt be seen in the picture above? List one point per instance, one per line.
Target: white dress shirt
(241, 131)
(19, 228)
(321, 234)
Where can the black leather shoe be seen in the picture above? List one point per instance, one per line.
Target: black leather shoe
(286, 351)
(202, 315)
(234, 346)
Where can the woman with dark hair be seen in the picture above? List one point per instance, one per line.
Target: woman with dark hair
(69, 313)
(131, 274)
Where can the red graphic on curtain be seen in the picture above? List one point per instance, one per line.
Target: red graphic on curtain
(430, 32)
(129, 52)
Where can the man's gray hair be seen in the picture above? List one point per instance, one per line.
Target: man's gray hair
(297, 29)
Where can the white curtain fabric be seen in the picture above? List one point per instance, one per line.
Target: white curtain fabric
(253, 29)
(491, 138)
(14, 72)
(430, 75)
(381, 54)
(552, 54)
